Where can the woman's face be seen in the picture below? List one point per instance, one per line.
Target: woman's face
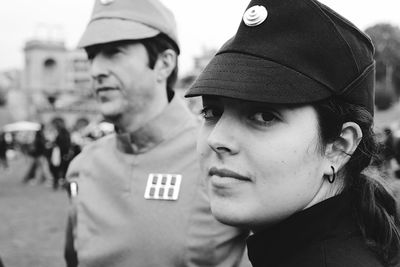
(262, 162)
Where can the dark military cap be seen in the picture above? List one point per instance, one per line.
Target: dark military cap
(292, 51)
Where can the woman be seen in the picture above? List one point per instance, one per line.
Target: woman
(287, 137)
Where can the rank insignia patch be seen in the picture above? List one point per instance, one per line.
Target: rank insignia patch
(163, 186)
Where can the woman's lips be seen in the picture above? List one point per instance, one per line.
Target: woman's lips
(222, 172)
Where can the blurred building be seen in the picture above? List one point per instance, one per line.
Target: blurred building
(199, 63)
(56, 83)
(10, 82)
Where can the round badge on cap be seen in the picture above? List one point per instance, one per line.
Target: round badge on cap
(255, 15)
(106, 2)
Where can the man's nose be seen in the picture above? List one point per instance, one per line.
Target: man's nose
(99, 68)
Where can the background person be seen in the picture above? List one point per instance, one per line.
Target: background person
(287, 136)
(3, 151)
(137, 199)
(39, 171)
(62, 152)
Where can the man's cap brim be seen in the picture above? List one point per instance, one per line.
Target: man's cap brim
(105, 30)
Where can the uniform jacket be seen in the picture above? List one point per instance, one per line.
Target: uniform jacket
(324, 235)
(111, 222)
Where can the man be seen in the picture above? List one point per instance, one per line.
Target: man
(137, 198)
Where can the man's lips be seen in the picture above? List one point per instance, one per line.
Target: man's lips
(227, 173)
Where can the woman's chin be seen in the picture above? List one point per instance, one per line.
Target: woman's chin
(233, 217)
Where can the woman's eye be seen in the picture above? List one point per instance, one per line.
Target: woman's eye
(263, 118)
(210, 113)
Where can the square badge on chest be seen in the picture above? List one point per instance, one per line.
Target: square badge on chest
(163, 186)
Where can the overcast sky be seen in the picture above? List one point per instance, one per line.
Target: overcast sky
(201, 23)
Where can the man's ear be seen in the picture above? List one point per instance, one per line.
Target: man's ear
(165, 64)
(339, 151)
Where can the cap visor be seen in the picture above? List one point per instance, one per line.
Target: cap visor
(105, 30)
(252, 78)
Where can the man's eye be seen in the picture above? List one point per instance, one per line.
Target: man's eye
(91, 56)
(109, 51)
(263, 118)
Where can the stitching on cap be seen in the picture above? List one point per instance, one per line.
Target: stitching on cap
(247, 65)
(228, 90)
(256, 97)
(357, 82)
(289, 68)
(255, 59)
(224, 80)
(354, 27)
(237, 71)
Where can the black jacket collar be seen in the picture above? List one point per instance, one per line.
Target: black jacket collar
(322, 221)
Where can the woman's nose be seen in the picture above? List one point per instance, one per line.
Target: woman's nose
(222, 138)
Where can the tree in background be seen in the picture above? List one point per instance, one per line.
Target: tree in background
(386, 39)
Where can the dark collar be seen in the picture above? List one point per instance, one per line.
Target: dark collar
(326, 219)
(169, 122)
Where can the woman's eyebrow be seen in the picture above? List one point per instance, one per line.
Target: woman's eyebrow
(254, 104)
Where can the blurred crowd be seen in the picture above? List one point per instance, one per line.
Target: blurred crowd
(48, 150)
(389, 158)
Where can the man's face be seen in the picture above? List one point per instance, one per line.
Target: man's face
(126, 87)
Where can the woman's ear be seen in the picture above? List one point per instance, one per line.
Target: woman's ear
(165, 64)
(339, 151)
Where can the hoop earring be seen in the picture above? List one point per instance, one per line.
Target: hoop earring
(333, 176)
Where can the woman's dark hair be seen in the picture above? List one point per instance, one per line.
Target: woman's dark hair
(374, 205)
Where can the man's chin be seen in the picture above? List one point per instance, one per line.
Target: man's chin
(111, 109)
(112, 116)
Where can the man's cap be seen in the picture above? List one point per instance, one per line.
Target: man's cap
(292, 51)
(117, 20)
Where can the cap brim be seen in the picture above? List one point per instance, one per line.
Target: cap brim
(105, 30)
(247, 77)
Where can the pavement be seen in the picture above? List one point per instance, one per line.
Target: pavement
(32, 219)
